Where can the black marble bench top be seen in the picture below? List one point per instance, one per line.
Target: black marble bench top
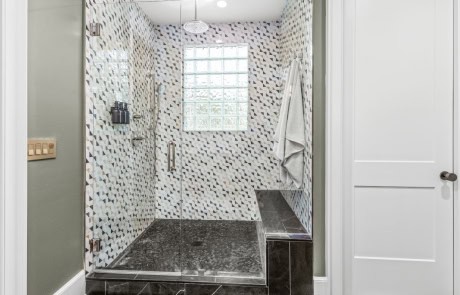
(278, 219)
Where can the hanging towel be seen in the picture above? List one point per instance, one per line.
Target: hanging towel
(290, 132)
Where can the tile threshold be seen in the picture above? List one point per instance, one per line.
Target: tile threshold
(243, 279)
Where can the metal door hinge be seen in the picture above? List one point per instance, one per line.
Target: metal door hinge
(94, 245)
(95, 29)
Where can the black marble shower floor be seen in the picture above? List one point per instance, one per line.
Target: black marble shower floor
(195, 250)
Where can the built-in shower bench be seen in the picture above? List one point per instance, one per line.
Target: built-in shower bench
(288, 246)
(278, 219)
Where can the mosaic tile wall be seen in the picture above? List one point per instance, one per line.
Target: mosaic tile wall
(296, 40)
(120, 182)
(220, 169)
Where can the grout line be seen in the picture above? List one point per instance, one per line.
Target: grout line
(215, 292)
(144, 289)
(290, 287)
(267, 266)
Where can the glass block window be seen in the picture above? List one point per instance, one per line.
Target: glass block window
(216, 87)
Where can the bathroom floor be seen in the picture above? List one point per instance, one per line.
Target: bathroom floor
(201, 247)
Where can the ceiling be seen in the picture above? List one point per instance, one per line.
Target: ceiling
(169, 12)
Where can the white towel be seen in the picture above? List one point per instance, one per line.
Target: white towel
(290, 133)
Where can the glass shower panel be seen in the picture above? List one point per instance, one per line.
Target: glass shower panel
(221, 233)
(133, 119)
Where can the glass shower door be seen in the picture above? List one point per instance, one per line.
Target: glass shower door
(170, 197)
(135, 222)
(220, 239)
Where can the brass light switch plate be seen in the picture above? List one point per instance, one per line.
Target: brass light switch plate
(41, 149)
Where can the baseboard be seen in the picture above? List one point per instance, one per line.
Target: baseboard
(320, 285)
(76, 285)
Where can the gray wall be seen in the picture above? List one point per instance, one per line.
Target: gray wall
(55, 228)
(319, 146)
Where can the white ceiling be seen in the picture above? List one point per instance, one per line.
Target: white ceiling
(169, 12)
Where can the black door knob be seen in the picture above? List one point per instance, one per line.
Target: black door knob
(448, 176)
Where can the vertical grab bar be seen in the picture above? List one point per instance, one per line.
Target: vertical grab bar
(171, 156)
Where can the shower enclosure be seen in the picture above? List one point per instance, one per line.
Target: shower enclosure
(171, 191)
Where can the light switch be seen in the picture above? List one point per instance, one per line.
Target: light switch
(41, 149)
(31, 149)
(45, 149)
(38, 148)
(51, 146)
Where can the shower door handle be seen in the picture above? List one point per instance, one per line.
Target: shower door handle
(171, 156)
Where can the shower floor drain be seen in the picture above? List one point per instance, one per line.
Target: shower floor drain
(197, 243)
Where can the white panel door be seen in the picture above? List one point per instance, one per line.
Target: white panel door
(399, 87)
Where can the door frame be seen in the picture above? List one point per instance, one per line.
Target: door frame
(338, 161)
(456, 144)
(13, 147)
(334, 182)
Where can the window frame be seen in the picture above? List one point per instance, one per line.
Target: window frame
(245, 88)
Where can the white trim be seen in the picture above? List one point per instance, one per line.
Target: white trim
(456, 145)
(334, 144)
(75, 286)
(13, 147)
(321, 285)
